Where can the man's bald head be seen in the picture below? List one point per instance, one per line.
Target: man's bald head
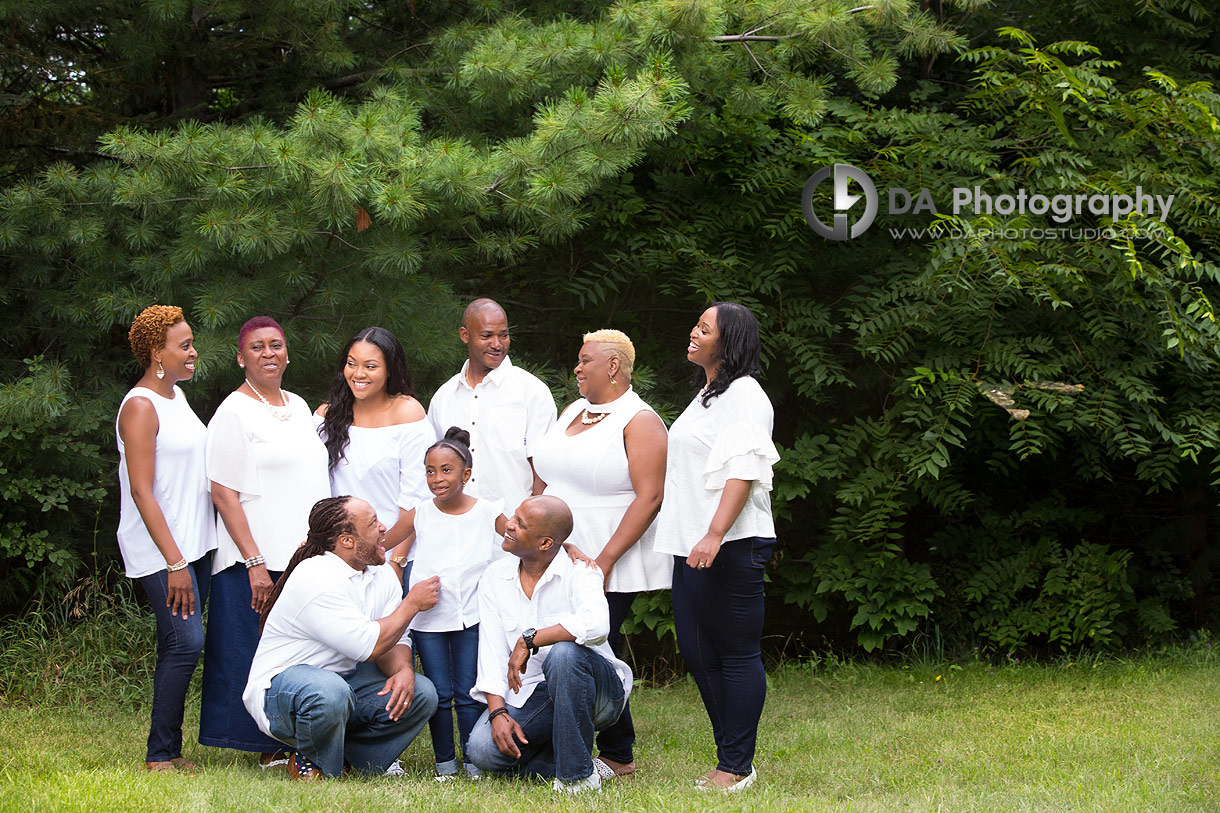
(552, 517)
(484, 331)
(537, 529)
(481, 309)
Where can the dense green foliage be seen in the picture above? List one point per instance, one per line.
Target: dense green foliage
(988, 434)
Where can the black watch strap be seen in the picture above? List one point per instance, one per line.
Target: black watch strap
(528, 637)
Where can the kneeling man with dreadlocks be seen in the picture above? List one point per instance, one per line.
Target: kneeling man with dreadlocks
(545, 670)
(333, 675)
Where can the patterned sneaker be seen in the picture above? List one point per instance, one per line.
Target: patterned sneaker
(395, 769)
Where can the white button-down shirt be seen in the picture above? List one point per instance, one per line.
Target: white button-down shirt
(567, 594)
(505, 414)
(326, 617)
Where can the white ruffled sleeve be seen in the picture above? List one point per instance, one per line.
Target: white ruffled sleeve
(741, 452)
(230, 457)
(743, 449)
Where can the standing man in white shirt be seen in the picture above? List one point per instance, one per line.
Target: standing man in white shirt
(504, 408)
(546, 672)
(333, 675)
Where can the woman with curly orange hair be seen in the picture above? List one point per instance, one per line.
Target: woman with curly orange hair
(166, 531)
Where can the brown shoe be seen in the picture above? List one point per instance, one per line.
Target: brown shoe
(301, 768)
(160, 767)
(184, 765)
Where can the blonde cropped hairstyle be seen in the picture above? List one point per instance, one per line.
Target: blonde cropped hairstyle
(615, 345)
(149, 328)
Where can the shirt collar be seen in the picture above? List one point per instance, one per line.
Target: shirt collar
(495, 376)
(343, 568)
(559, 567)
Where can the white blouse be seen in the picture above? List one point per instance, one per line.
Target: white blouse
(278, 469)
(589, 472)
(179, 484)
(385, 466)
(458, 548)
(728, 440)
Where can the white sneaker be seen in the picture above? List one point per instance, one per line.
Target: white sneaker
(395, 769)
(591, 782)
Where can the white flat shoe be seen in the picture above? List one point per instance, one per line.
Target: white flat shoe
(742, 784)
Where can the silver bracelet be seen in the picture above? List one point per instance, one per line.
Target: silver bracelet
(255, 561)
(180, 566)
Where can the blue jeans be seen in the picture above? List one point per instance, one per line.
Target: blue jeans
(451, 661)
(179, 642)
(616, 742)
(328, 717)
(718, 613)
(580, 694)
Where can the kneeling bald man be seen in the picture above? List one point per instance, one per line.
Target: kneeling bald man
(546, 672)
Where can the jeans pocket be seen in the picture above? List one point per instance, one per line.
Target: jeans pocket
(761, 549)
(278, 725)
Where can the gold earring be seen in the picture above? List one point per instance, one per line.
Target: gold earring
(160, 370)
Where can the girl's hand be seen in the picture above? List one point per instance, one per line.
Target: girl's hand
(180, 597)
(705, 551)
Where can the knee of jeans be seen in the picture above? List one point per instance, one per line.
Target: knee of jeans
(327, 695)
(186, 641)
(425, 694)
(562, 658)
(481, 748)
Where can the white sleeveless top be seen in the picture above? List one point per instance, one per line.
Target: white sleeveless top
(180, 485)
(458, 548)
(589, 472)
(384, 465)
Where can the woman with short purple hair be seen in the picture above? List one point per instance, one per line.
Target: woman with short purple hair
(267, 468)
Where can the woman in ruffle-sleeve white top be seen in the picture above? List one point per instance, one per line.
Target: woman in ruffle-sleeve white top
(716, 522)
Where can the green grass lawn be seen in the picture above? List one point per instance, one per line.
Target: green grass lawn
(1118, 735)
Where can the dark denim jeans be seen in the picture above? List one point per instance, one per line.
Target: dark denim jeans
(718, 613)
(616, 742)
(451, 662)
(328, 717)
(179, 643)
(581, 693)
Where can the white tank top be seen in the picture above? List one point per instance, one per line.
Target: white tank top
(180, 485)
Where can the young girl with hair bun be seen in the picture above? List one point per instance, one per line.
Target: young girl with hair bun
(455, 537)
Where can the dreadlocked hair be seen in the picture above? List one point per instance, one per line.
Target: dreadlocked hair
(328, 520)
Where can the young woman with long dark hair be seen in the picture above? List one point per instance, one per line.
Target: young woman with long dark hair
(716, 522)
(376, 433)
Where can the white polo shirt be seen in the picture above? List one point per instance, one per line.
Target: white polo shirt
(567, 594)
(505, 414)
(326, 617)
